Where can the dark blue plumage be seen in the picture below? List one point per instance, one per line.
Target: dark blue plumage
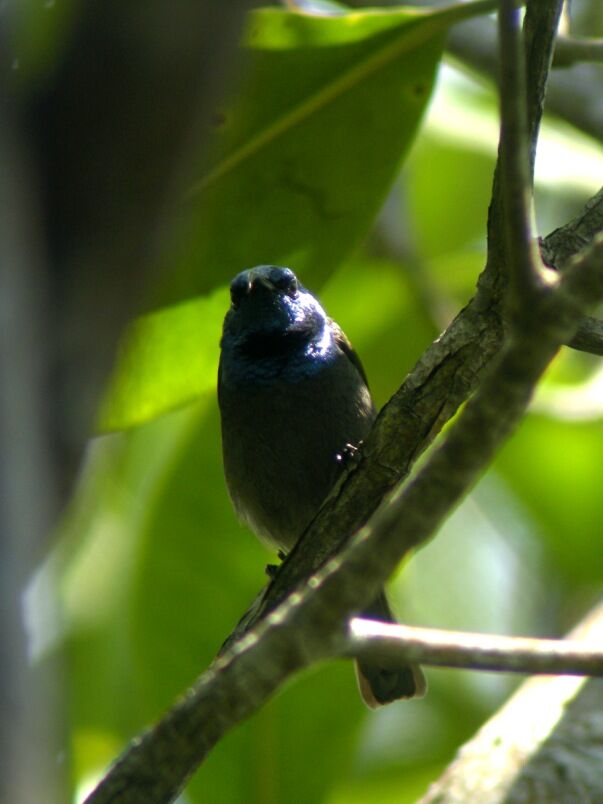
(292, 396)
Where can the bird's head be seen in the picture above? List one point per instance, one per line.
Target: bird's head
(270, 312)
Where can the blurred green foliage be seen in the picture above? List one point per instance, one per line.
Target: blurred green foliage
(151, 566)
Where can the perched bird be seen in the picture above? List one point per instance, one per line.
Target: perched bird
(293, 397)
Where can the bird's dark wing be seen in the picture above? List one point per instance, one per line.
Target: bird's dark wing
(344, 344)
(219, 385)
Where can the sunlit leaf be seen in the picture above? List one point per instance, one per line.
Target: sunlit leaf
(167, 358)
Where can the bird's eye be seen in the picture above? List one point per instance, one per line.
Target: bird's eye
(239, 287)
(285, 280)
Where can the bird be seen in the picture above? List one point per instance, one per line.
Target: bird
(294, 400)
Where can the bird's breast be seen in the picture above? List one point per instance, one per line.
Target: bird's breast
(281, 440)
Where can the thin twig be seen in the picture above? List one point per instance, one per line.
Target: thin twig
(540, 33)
(521, 259)
(540, 28)
(574, 95)
(561, 244)
(589, 336)
(571, 50)
(398, 644)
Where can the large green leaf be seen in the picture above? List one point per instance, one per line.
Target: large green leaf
(307, 148)
(168, 358)
(302, 158)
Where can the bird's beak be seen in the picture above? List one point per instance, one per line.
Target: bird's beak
(258, 279)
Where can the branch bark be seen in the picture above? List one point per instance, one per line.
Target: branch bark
(589, 336)
(398, 644)
(575, 50)
(516, 162)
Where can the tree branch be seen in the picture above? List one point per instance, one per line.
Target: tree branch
(398, 644)
(516, 164)
(96, 136)
(570, 50)
(589, 336)
(540, 25)
(573, 94)
(567, 240)
(560, 245)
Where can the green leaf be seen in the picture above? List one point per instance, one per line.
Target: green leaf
(167, 359)
(305, 152)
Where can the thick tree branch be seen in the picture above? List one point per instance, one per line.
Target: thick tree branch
(99, 105)
(398, 644)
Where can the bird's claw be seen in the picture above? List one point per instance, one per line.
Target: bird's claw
(348, 455)
(272, 569)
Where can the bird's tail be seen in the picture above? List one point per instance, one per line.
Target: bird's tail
(379, 684)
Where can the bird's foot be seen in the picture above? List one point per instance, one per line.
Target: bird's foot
(348, 455)
(272, 569)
